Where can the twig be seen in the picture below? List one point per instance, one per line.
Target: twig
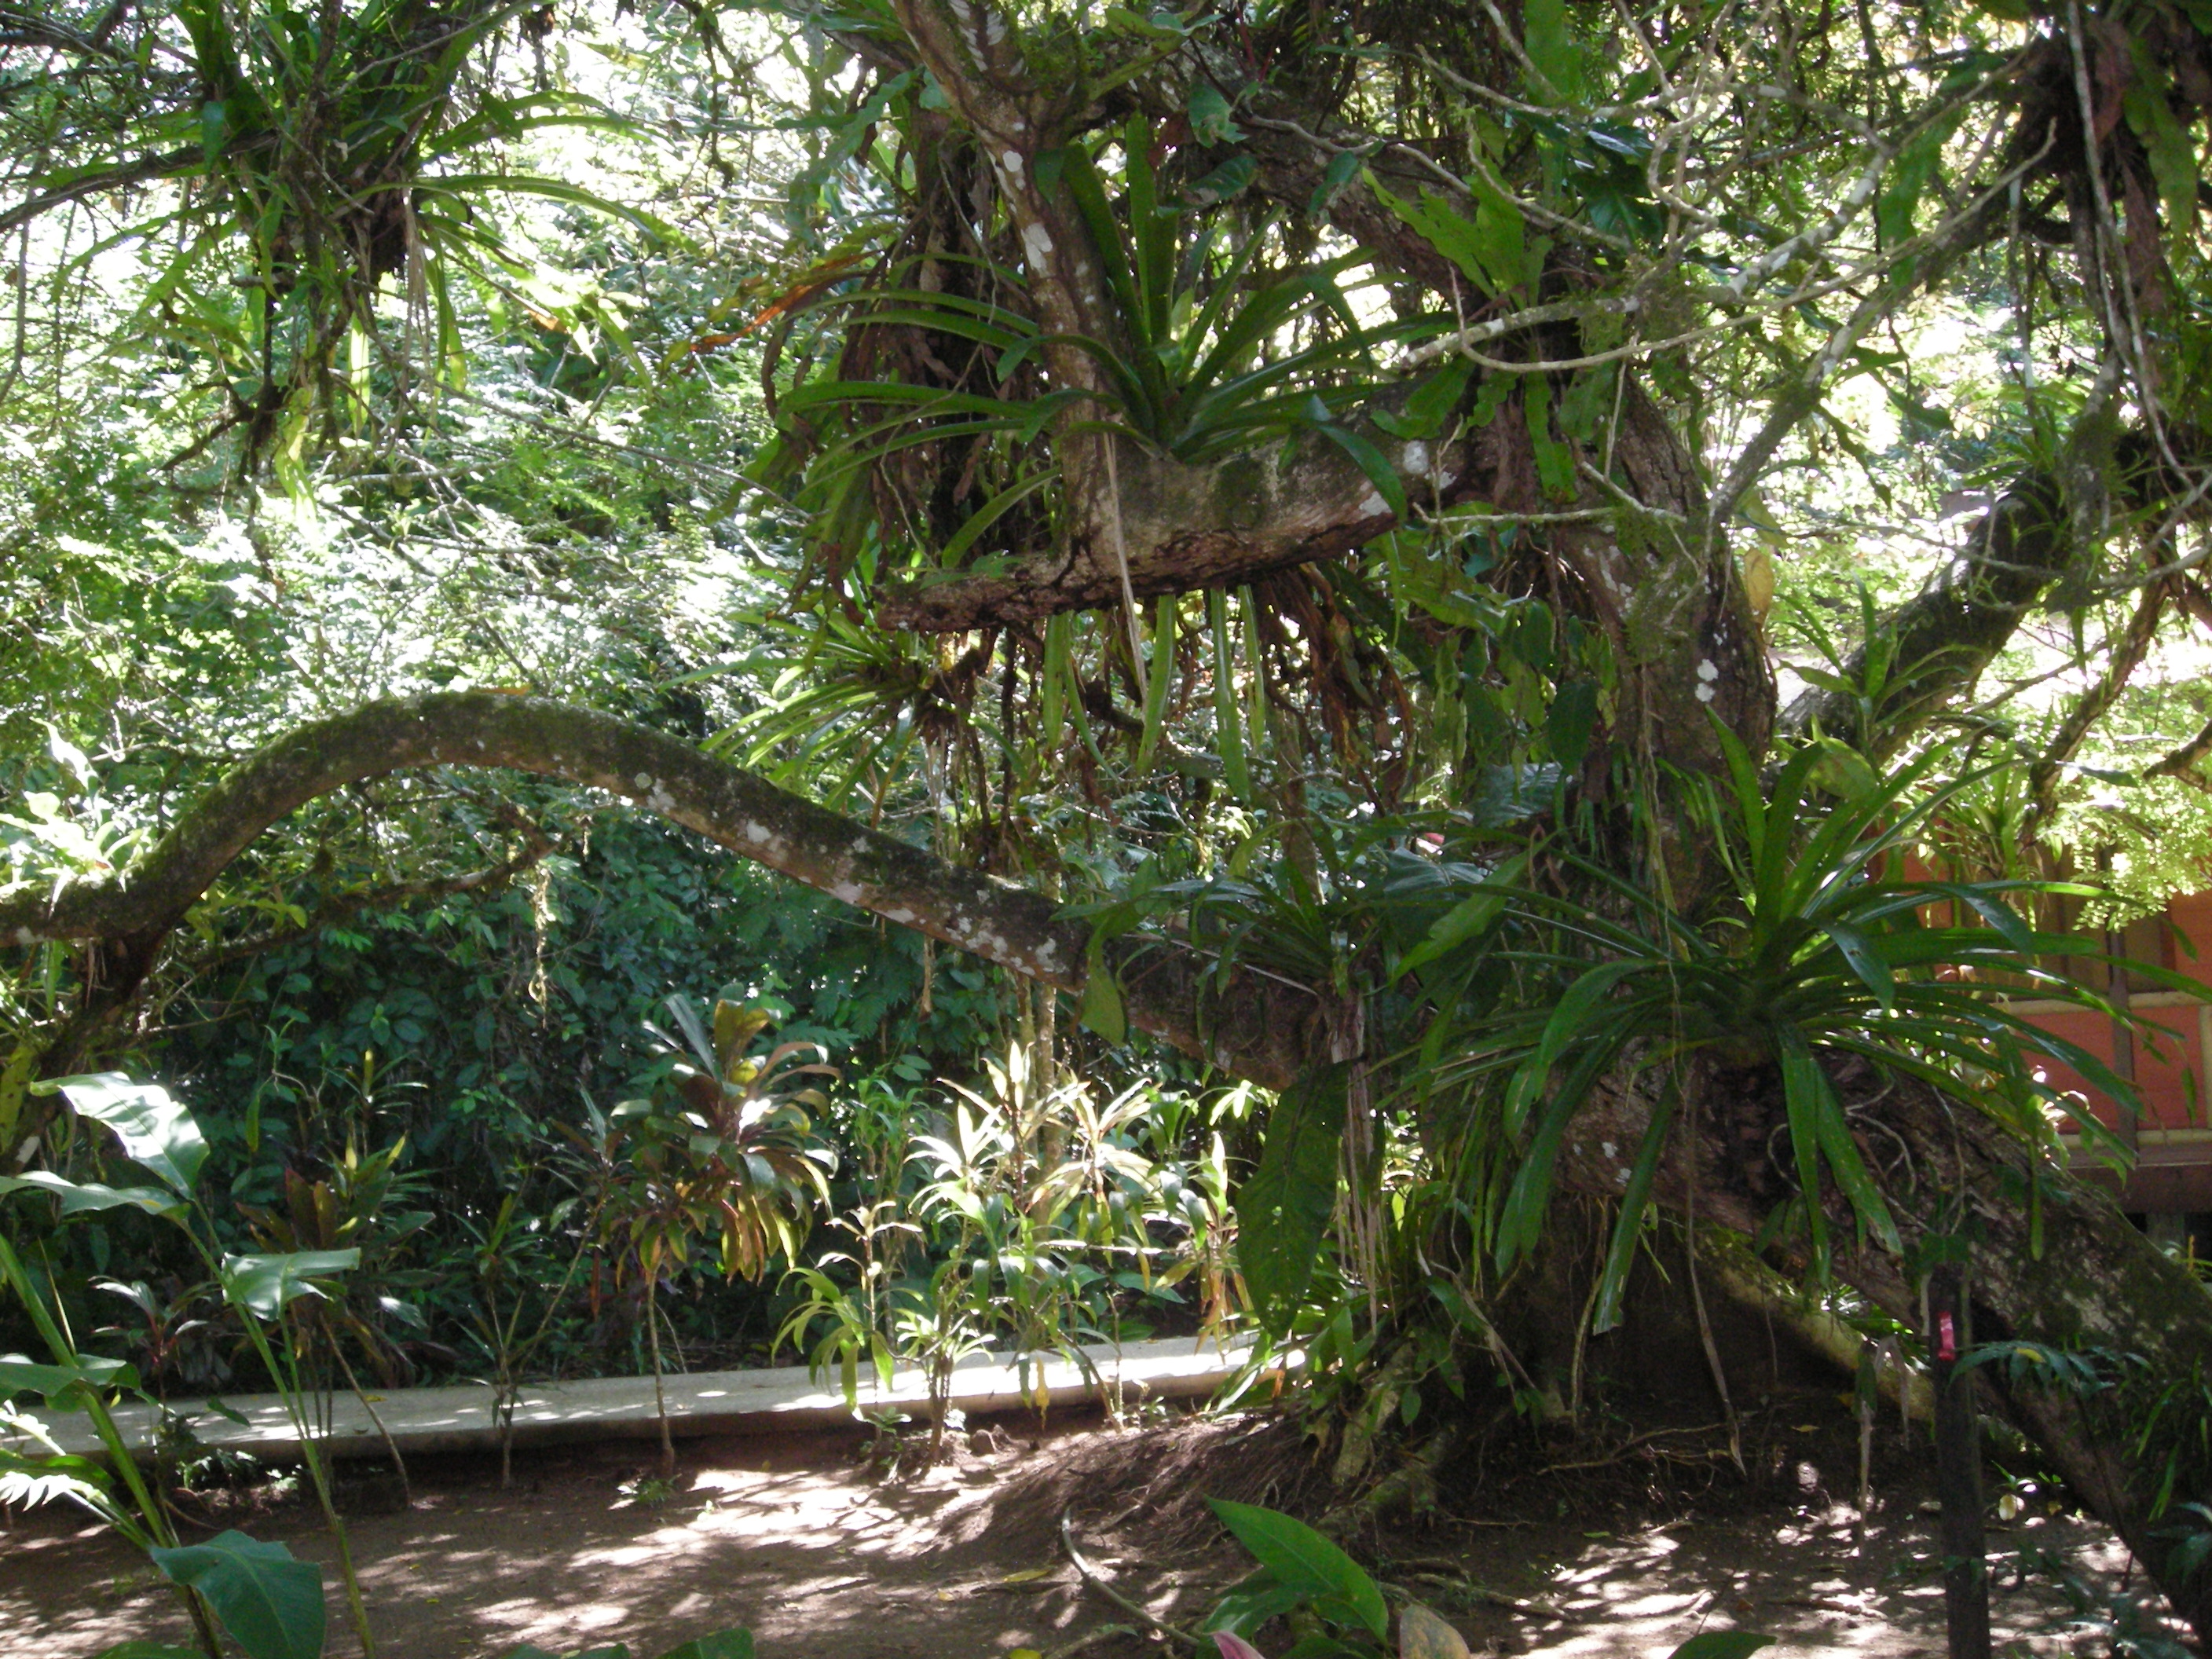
(1626, 1447)
(1092, 1577)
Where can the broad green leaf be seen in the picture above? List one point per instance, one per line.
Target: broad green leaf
(1570, 721)
(2172, 155)
(81, 1197)
(1472, 917)
(1212, 118)
(1628, 1223)
(1388, 486)
(1228, 721)
(1555, 460)
(1102, 1003)
(271, 1604)
(1432, 403)
(1866, 962)
(1551, 47)
(1252, 1604)
(1284, 1209)
(21, 1376)
(1909, 177)
(267, 1284)
(157, 1133)
(1302, 1560)
(1801, 1090)
(1490, 249)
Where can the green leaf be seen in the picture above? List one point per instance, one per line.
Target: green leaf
(1908, 180)
(271, 1604)
(157, 1133)
(267, 1284)
(1430, 405)
(1284, 1209)
(1230, 179)
(1470, 918)
(1551, 47)
(1341, 167)
(1211, 116)
(1570, 721)
(1628, 1225)
(1491, 248)
(1251, 1605)
(1380, 472)
(142, 1650)
(1555, 461)
(2172, 156)
(1802, 1091)
(722, 1645)
(1722, 1644)
(1302, 1560)
(1102, 1010)
(79, 1197)
(21, 1376)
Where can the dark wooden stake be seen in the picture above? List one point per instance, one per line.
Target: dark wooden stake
(1958, 1468)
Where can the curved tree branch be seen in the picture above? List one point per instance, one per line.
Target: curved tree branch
(1254, 1027)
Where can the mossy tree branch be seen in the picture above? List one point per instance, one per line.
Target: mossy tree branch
(1255, 1028)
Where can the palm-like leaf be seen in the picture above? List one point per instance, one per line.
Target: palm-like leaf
(1821, 951)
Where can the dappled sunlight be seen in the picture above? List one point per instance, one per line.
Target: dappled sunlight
(824, 1559)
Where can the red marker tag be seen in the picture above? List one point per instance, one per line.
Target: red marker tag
(1947, 1339)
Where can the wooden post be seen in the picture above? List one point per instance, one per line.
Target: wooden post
(1958, 1467)
(2124, 1036)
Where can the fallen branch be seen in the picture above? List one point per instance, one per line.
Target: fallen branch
(1098, 1582)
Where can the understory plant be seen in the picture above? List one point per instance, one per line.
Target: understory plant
(222, 1581)
(1039, 1214)
(1823, 950)
(727, 1153)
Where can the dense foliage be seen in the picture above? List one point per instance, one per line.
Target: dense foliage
(1500, 529)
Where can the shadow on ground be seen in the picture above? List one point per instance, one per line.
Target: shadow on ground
(798, 1539)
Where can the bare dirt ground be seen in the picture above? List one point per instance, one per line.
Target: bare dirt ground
(823, 1557)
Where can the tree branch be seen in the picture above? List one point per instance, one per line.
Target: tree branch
(140, 172)
(1255, 1027)
(1938, 642)
(1217, 526)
